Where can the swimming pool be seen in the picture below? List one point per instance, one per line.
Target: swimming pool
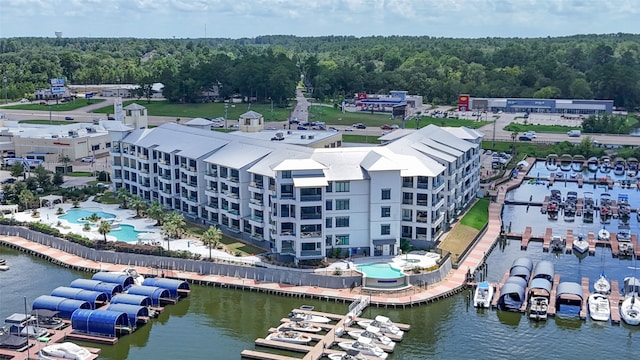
(126, 233)
(74, 215)
(380, 271)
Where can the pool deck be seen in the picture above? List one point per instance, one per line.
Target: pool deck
(454, 282)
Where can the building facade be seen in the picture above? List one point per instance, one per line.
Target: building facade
(560, 106)
(304, 203)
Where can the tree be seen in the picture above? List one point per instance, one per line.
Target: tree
(58, 179)
(173, 226)
(26, 197)
(43, 177)
(17, 169)
(156, 212)
(138, 204)
(211, 237)
(123, 196)
(104, 228)
(65, 160)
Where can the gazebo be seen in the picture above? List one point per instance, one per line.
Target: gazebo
(50, 200)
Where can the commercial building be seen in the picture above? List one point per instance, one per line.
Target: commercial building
(397, 102)
(512, 105)
(303, 202)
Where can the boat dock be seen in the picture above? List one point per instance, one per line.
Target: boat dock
(551, 310)
(569, 242)
(323, 342)
(614, 302)
(591, 239)
(585, 296)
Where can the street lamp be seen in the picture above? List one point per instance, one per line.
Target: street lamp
(4, 81)
(226, 108)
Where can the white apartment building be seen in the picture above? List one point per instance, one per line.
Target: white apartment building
(304, 203)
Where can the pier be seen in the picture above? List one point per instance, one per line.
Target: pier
(614, 302)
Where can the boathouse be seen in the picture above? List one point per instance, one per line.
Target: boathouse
(512, 293)
(544, 269)
(135, 313)
(156, 294)
(95, 298)
(119, 278)
(65, 307)
(569, 293)
(521, 267)
(130, 299)
(99, 322)
(108, 288)
(177, 288)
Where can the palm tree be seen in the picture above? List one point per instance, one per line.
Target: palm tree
(173, 226)
(104, 228)
(137, 203)
(26, 197)
(211, 238)
(123, 196)
(156, 212)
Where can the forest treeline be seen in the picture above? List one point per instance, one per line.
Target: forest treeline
(268, 68)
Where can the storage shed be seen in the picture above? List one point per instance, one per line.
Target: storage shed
(156, 294)
(130, 299)
(135, 313)
(119, 278)
(100, 322)
(95, 298)
(108, 288)
(177, 288)
(65, 307)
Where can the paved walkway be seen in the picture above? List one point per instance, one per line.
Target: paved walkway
(453, 283)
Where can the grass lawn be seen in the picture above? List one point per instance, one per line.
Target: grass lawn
(46, 122)
(463, 233)
(478, 215)
(68, 106)
(207, 110)
(557, 129)
(108, 197)
(361, 139)
(229, 243)
(80, 174)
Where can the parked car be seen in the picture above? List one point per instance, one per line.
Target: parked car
(302, 127)
(24, 101)
(68, 117)
(8, 181)
(110, 118)
(87, 159)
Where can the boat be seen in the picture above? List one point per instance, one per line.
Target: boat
(557, 243)
(619, 166)
(382, 322)
(599, 309)
(570, 205)
(538, 307)
(24, 325)
(578, 163)
(625, 245)
(602, 285)
(303, 326)
(592, 164)
(605, 164)
(10, 341)
(47, 319)
(605, 208)
(373, 333)
(349, 355)
(137, 278)
(364, 346)
(630, 310)
(604, 234)
(554, 204)
(292, 337)
(624, 209)
(300, 316)
(3, 265)
(588, 207)
(512, 294)
(65, 350)
(632, 167)
(580, 245)
(483, 295)
(565, 162)
(552, 162)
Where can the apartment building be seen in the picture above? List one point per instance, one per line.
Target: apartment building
(304, 203)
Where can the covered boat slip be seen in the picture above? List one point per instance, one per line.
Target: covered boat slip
(544, 269)
(159, 296)
(108, 288)
(131, 299)
(119, 278)
(65, 307)
(104, 323)
(572, 293)
(136, 313)
(177, 288)
(512, 294)
(95, 298)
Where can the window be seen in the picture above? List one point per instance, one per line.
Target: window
(342, 186)
(107, 145)
(342, 221)
(286, 174)
(329, 187)
(385, 229)
(342, 239)
(386, 194)
(329, 205)
(407, 198)
(328, 222)
(385, 211)
(342, 204)
(95, 147)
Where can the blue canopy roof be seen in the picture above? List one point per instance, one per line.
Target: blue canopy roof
(517, 280)
(108, 288)
(155, 293)
(571, 288)
(119, 278)
(174, 286)
(540, 283)
(523, 261)
(65, 307)
(131, 299)
(132, 311)
(98, 322)
(92, 297)
(544, 269)
(520, 271)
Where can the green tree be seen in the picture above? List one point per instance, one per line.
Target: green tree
(26, 198)
(16, 170)
(173, 226)
(138, 204)
(211, 238)
(43, 177)
(104, 228)
(123, 196)
(57, 180)
(155, 212)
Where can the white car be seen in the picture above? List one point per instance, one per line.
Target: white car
(87, 159)
(531, 134)
(348, 129)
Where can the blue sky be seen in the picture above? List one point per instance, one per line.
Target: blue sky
(250, 18)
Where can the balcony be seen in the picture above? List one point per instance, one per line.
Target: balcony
(257, 185)
(257, 219)
(233, 179)
(212, 173)
(213, 205)
(311, 234)
(287, 196)
(310, 216)
(229, 194)
(309, 197)
(192, 199)
(423, 185)
(256, 202)
(310, 253)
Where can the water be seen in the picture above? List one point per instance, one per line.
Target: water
(74, 215)
(126, 233)
(380, 271)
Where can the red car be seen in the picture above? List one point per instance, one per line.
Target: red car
(386, 127)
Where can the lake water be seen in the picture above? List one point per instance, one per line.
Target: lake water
(215, 323)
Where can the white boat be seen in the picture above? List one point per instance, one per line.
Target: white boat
(538, 308)
(483, 295)
(300, 326)
(65, 350)
(602, 285)
(373, 333)
(581, 245)
(604, 235)
(137, 278)
(599, 309)
(293, 337)
(349, 355)
(592, 164)
(300, 316)
(630, 310)
(365, 346)
(3, 265)
(382, 322)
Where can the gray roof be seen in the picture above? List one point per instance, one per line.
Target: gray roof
(237, 155)
(181, 140)
(251, 115)
(134, 106)
(517, 280)
(570, 288)
(544, 268)
(512, 288)
(541, 283)
(464, 132)
(523, 261)
(520, 271)
(199, 122)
